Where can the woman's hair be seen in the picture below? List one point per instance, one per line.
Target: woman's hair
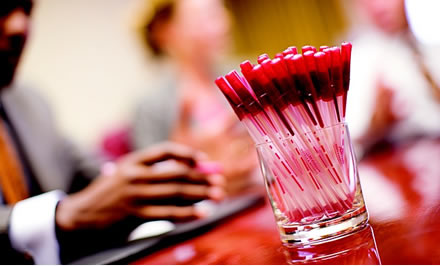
(161, 13)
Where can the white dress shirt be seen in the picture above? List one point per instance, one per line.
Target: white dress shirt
(32, 227)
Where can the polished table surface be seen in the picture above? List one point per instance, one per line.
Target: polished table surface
(401, 186)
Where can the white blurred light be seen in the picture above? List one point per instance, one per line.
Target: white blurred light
(424, 20)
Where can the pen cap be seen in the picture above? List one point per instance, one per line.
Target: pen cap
(290, 50)
(270, 90)
(307, 48)
(328, 59)
(301, 94)
(280, 67)
(336, 70)
(247, 96)
(309, 60)
(306, 86)
(262, 57)
(323, 76)
(346, 57)
(279, 55)
(276, 80)
(231, 96)
(248, 72)
(280, 84)
(246, 66)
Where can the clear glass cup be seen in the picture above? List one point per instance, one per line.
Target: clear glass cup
(313, 185)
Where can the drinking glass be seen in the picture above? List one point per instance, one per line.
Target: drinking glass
(313, 185)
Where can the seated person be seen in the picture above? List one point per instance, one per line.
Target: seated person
(191, 36)
(395, 80)
(38, 167)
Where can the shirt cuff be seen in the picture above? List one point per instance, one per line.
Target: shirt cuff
(32, 227)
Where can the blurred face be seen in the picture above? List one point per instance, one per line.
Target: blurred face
(14, 23)
(200, 28)
(388, 15)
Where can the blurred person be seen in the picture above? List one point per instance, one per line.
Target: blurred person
(38, 167)
(395, 80)
(191, 36)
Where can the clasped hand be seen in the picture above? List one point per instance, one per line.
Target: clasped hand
(149, 184)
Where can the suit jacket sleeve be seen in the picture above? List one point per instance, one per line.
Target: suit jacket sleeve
(56, 162)
(5, 213)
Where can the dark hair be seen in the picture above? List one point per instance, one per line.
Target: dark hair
(8, 6)
(161, 14)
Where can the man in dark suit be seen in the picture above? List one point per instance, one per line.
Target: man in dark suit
(51, 194)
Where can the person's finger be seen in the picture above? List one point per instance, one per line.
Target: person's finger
(169, 171)
(217, 180)
(162, 152)
(208, 167)
(168, 212)
(175, 170)
(176, 190)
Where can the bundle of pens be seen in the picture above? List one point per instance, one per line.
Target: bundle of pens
(294, 109)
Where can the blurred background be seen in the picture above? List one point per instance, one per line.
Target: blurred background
(90, 62)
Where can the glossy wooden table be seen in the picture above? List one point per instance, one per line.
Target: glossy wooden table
(402, 190)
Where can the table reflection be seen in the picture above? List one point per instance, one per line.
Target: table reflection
(356, 248)
(401, 185)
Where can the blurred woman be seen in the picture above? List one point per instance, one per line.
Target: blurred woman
(191, 36)
(395, 80)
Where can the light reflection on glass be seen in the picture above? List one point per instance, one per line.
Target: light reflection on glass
(356, 248)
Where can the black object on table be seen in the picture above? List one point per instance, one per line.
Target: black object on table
(133, 250)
